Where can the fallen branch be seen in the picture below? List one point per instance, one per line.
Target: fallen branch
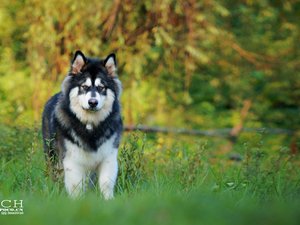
(225, 132)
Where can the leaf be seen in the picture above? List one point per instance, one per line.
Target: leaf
(199, 55)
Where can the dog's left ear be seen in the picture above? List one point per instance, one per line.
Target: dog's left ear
(110, 64)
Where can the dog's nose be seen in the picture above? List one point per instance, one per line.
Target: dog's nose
(93, 102)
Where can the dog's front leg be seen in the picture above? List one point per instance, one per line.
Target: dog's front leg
(74, 178)
(108, 171)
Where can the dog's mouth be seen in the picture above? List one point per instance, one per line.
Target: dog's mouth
(92, 110)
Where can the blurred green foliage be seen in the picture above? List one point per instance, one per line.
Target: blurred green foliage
(183, 63)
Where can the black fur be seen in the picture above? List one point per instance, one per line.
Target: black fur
(54, 131)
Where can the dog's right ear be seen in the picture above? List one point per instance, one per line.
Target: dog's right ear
(78, 62)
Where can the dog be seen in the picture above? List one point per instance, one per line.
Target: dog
(82, 124)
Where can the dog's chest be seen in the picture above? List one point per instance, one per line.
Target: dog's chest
(88, 159)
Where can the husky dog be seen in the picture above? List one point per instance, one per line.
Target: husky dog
(82, 125)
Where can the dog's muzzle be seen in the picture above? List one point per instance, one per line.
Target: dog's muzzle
(93, 103)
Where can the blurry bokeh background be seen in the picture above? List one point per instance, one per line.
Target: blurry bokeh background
(192, 64)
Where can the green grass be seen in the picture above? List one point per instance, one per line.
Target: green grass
(162, 180)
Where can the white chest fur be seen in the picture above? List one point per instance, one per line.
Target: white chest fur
(87, 159)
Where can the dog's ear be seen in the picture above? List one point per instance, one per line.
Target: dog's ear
(78, 62)
(110, 64)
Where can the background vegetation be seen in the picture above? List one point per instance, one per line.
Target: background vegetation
(188, 64)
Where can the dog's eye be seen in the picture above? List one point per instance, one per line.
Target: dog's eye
(100, 88)
(84, 87)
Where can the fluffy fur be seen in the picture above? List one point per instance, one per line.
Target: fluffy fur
(82, 125)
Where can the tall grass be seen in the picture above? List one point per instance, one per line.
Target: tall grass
(181, 181)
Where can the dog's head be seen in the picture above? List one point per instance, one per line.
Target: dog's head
(92, 87)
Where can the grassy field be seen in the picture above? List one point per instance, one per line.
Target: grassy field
(162, 180)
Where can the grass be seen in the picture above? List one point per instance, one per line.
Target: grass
(162, 180)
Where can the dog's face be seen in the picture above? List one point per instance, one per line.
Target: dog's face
(92, 93)
(91, 87)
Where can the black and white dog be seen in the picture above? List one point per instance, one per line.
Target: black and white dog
(82, 125)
